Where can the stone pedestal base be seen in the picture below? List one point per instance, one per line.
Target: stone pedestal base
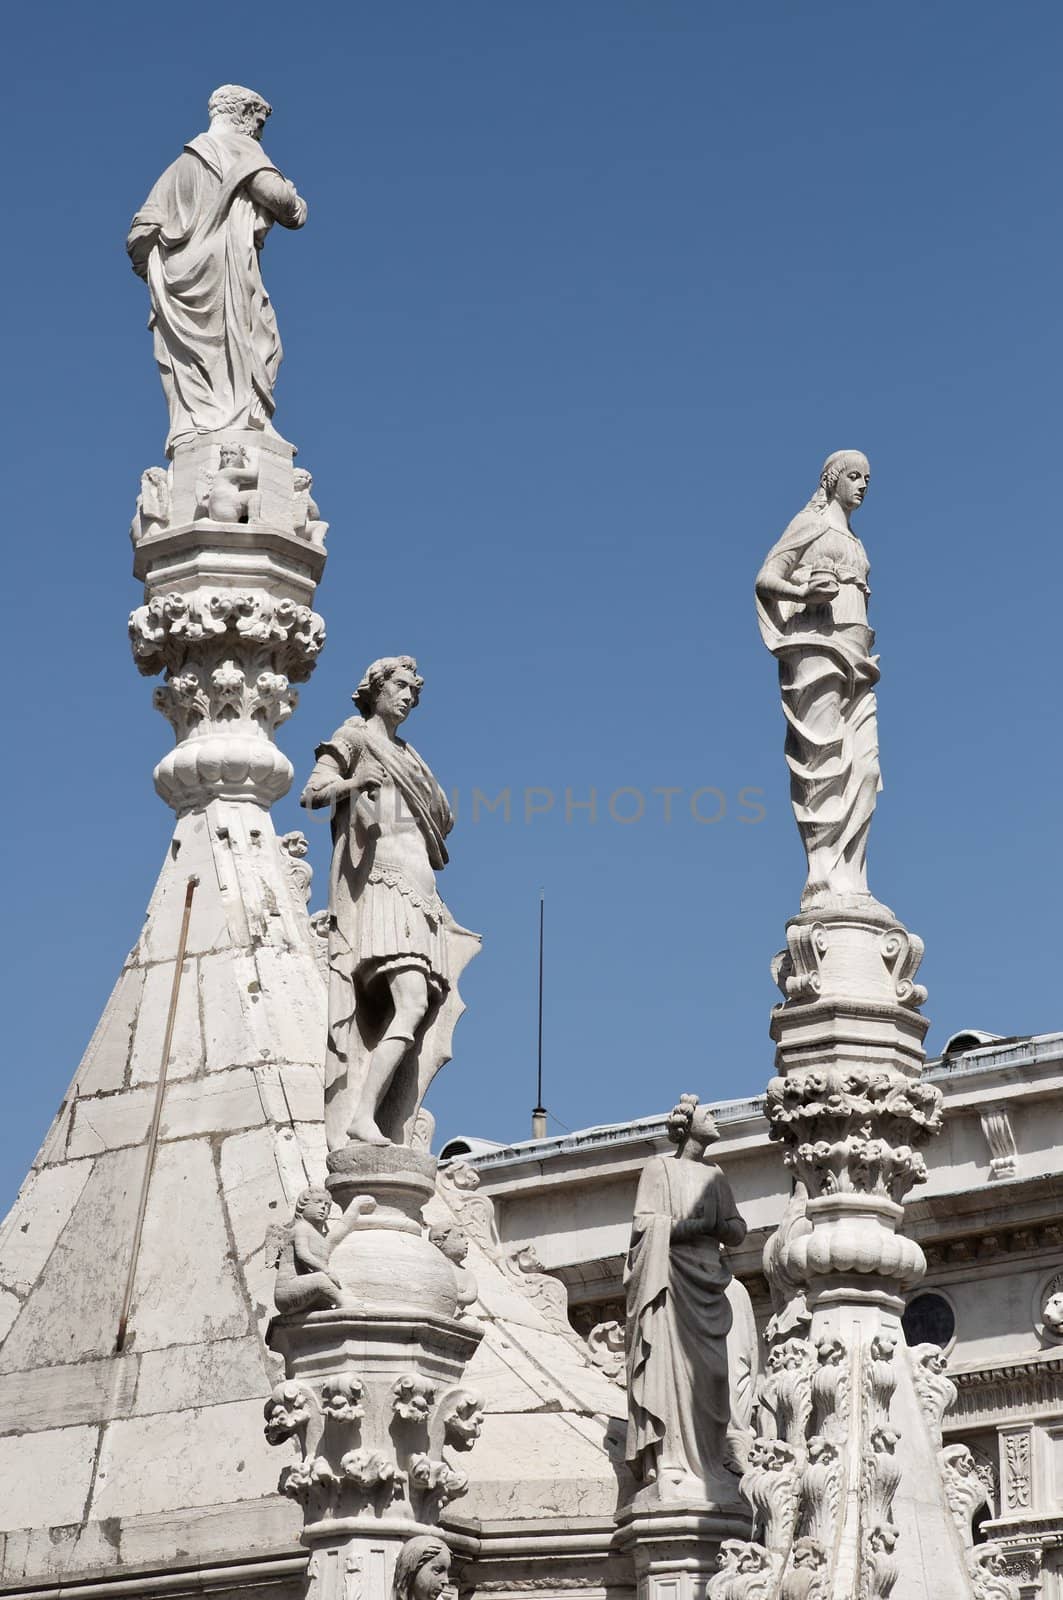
(852, 1489)
(372, 1389)
(675, 1546)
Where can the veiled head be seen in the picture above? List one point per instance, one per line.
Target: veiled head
(239, 108)
(390, 687)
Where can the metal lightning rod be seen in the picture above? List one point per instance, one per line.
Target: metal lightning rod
(539, 1110)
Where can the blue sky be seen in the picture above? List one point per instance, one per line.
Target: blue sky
(587, 294)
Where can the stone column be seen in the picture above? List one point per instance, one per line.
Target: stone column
(373, 1391)
(852, 1488)
(228, 547)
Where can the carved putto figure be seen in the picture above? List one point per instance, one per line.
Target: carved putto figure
(679, 1316)
(395, 952)
(301, 1252)
(812, 607)
(196, 240)
(225, 494)
(304, 1281)
(422, 1570)
(453, 1242)
(153, 504)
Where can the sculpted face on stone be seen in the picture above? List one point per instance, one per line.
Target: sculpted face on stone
(422, 1570)
(315, 1205)
(851, 482)
(452, 1243)
(1052, 1313)
(812, 608)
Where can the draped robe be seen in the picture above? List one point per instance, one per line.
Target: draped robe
(196, 239)
(827, 676)
(679, 1316)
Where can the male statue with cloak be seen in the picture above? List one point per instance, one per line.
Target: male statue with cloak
(691, 1336)
(196, 241)
(394, 951)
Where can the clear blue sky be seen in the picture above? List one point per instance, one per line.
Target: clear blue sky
(587, 293)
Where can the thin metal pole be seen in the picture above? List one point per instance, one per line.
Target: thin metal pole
(539, 1110)
(156, 1117)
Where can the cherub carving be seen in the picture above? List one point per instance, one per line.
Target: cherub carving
(300, 1251)
(153, 504)
(452, 1242)
(225, 495)
(307, 518)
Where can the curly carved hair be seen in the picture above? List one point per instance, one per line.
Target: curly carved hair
(315, 1192)
(233, 103)
(833, 468)
(377, 675)
(681, 1117)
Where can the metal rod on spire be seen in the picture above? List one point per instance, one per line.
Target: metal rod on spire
(156, 1119)
(539, 1110)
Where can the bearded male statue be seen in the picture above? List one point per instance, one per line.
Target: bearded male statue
(196, 241)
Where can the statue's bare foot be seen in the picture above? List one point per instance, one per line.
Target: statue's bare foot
(363, 1130)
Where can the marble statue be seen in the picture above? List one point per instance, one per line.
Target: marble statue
(224, 495)
(812, 607)
(300, 1251)
(453, 1242)
(304, 1281)
(422, 1570)
(394, 951)
(679, 1317)
(196, 240)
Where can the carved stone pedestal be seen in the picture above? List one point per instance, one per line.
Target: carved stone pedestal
(852, 1490)
(229, 563)
(675, 1547)
(372, 1388)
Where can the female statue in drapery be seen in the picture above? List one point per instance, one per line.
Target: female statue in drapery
(812, 608)
(394, 951)
(679, 1317)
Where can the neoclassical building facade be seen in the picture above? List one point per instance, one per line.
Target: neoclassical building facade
(989, 1220)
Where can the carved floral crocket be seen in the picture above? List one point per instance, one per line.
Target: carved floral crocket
(394, 951)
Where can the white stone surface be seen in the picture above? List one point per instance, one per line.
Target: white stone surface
(60, 1396)
(41, 1212)
(187, 1459)
(186, 1055)
(176, 1300)
(72, 1311)
(106, 1061)
(182, 1377)
(46, 1477)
